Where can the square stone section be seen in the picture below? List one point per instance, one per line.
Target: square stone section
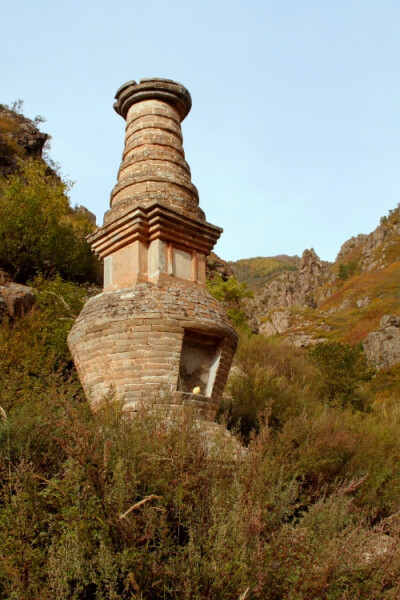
(182, 264)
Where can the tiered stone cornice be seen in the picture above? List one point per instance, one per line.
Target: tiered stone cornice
(151, 223)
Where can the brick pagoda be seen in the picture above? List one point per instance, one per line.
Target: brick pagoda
(154, 335)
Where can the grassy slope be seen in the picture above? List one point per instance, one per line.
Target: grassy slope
(257, 271)
(381, 286)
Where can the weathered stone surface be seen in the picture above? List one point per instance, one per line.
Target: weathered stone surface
(16, 300)
(302, 306)
(382, 347)
(284, 322)
(153, 164)
(278, 322)
(304, 340)
(126, 357)
(350, 246)
(362, 302)
(290, 289)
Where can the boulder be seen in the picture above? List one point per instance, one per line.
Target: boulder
(382, 347)
(361, 302)
(16, 300)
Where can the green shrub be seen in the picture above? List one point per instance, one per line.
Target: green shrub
(273, 382)
(346, 270)
(230, 293)
(110, 508)
(39, 233)
(343, 370)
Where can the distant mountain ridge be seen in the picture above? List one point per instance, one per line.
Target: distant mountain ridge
(314, 300)
(255, 272)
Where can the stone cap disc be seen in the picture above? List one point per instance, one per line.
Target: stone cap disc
(166, 90)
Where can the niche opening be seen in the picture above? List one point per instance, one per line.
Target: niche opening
(199, 362)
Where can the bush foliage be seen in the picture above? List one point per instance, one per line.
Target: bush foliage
(39, 232)
(230, 293)
(343, 370)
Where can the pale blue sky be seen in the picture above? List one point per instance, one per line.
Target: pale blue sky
(294, 135)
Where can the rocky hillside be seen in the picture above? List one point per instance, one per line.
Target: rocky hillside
(355, 299)
(19, 138)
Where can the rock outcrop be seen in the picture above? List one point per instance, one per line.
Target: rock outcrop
(382, 347)
(282, 321)
(355, 243)
(295, 288)
(215, 266)
(19, 138)
(85, 213)
(375, 250)
(340, 301)
(279, 322)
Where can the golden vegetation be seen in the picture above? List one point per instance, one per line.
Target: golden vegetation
(255, 272)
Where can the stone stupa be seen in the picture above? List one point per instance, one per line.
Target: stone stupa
(155, 334)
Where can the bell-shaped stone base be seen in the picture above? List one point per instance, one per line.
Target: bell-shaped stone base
(168, 343)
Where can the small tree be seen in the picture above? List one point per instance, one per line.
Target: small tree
(230, 292)
(343, 369)
(346, 270)
(38, 231)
